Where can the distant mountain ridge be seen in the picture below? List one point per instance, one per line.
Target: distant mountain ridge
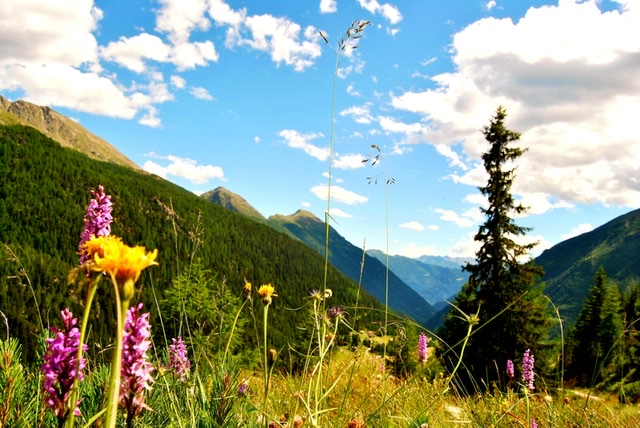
(60, 128)
(348, 259)
(436, 283)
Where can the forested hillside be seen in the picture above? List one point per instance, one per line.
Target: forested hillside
(571, 265)
(43, 197)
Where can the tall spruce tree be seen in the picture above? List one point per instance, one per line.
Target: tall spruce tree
(597, 329)
(501, 290)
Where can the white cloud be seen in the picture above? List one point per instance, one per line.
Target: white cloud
(66, 86)
(490, 4)
(187, 55)
(200, 93)
(280, 37)
(178, 82)
(348, 162)
(328, 6)
(453, 217)
(567, 75)
(306, 204)
(222, 14)
(360, 114)
(412, 225)
(298, 140)
(257, 139)
(338, 194)
(43, 32)
(389, 124)
(388, 11)
(352, 91)
(414, 251)
(337, 212)
(452, 157)
(183, 168)
(578, 230)
(131, 51)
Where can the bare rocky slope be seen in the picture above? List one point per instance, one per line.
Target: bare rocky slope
(61, 129)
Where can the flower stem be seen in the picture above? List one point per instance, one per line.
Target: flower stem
(116, 365)
(266, 366)
(73, 399)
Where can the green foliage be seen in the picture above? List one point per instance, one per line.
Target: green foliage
(501, 290)
(202, 308)
(12, 382)
(597, 329)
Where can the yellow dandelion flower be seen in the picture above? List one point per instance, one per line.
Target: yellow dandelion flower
(266, 292)
(123, 263)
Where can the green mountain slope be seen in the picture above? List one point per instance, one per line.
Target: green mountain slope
(66, 131)
(44, 192)
(233, 202)
(348, 259)
(570, 266)
(435, 283)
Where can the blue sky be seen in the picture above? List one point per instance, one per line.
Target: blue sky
(210, 93)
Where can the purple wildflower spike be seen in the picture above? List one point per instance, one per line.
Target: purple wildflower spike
(528, 362)
(59, 367)
(97, 220)
(510, 369)
(136, 369)
(422, 348)
(178, 358)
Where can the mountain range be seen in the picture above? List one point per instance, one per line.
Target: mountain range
(417, 287)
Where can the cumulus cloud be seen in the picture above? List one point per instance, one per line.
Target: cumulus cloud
(130, 52)
(465, 220)
(328, 6)
(337, 212)
(348, 161)
(414, 251)
(387, 10)
(359, 114)
(338, 194)
(302, 141)
(578, 230)
(178, 82)
(183, 168)
(200, 93)
(286, 41)
(412, 225)
(567, 75)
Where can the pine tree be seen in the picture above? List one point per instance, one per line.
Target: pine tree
(598, 327)
(501, 289)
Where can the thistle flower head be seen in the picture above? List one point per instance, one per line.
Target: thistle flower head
(243, 387)
(178, 359)
(97, 220)
(510, 369)
(266, 292)
(59, 366)
(423, 340)
(528, 375)
(335, 313)
(136, 368)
